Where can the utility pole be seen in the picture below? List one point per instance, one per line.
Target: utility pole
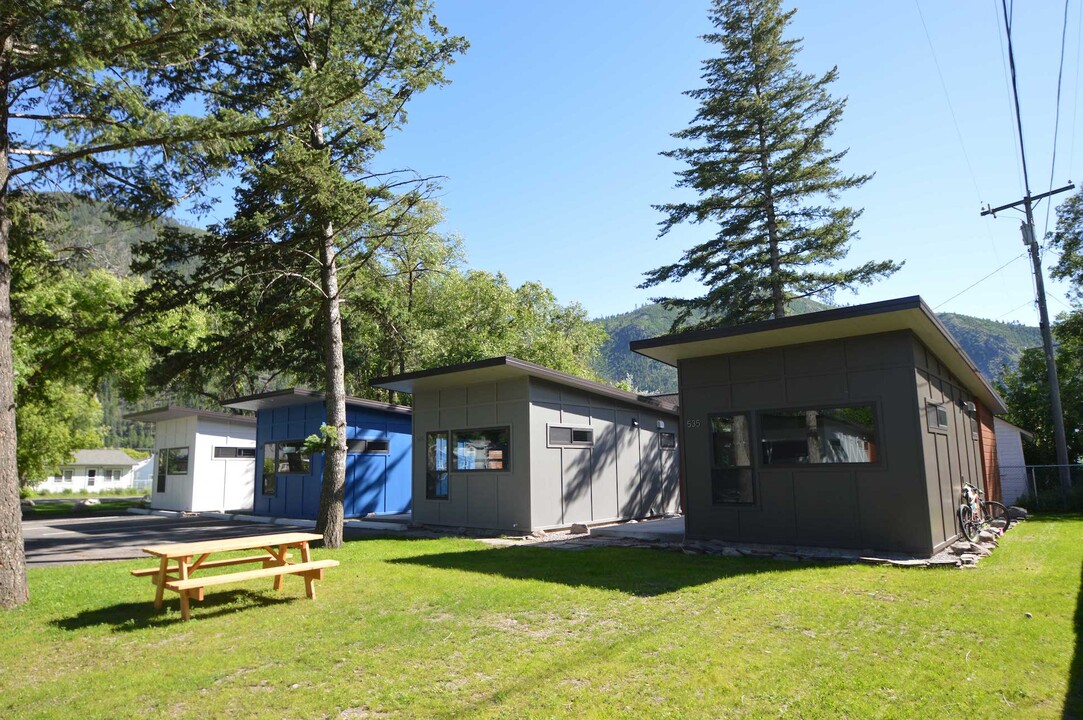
(1047, 334)
(1031, 242)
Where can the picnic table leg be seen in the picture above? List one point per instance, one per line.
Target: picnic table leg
(310, 583)
(279, 578)
(160, 591)
(183, 572)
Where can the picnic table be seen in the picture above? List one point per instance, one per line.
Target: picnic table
(178, 562)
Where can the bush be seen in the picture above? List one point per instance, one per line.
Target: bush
(25, 492)
(44, 492)
(66, 491)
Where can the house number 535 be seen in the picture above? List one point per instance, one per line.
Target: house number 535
(691, 423)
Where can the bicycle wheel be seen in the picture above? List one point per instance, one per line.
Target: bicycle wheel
(968, 524)
(996, 514)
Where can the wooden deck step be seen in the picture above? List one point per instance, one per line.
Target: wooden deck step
(212, 564)
(291, 569)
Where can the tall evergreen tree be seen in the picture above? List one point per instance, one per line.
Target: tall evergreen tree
(758, 159)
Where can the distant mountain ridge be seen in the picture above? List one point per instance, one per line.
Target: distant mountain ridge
(992, 345)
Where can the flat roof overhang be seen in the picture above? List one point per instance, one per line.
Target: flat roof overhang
(507, 368)
(909, 313)
(303, 396)
(174, 412)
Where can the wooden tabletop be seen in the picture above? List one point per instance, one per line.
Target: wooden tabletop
(173, 550)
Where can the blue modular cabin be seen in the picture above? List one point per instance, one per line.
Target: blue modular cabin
(378, 440)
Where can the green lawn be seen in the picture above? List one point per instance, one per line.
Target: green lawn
(454, 629)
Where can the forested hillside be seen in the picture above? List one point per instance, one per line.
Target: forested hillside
(991, 344)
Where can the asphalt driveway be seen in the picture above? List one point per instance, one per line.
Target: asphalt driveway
(62, 541)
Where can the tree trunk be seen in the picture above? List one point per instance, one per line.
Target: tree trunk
(778, 296)
(13, 588)
(333, 490)
(329, 522)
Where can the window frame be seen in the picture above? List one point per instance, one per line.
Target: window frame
(751, 467)
(431, 472)
(876, 425)
(237, 453)
(932, 411)
(453, 456)
(662, 435)
(269, 480)
(573, 443)
(170, 458)
(361, 446)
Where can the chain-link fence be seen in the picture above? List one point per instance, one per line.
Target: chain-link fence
(1037, 487)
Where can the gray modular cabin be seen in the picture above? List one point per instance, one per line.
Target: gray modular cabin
(504, 444)
(852, 427)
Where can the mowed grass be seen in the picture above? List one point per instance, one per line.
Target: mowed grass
(456, 629)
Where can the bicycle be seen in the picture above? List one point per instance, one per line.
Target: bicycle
(977, 513)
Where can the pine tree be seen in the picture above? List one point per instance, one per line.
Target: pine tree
(758, 159)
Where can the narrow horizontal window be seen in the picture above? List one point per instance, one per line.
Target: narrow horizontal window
(229, 453)
(481, 450)
(818, 436)
(565, 436)
(375, 446)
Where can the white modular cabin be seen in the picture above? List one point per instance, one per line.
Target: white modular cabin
(204, 460)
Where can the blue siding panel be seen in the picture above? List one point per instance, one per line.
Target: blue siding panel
(374, 483)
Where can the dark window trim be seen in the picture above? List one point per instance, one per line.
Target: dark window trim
(451, 450)
(272, 477)
(574, 443)
(187, 460)
(362, 446)
(753, 459)
(447, 466)
(222, 452)
(297, 443)
(938, 428)
(876, 425)
(661, 440)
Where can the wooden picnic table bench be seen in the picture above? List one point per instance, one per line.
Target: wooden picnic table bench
(189, 558)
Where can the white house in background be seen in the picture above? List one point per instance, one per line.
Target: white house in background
(1013, 468)
(94, 471)
(205, 460)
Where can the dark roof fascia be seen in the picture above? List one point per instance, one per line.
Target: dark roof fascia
(303, 395)
(533, 370)
(885, 306)
(180, 410)
(913, 302)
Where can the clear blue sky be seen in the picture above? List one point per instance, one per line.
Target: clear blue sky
(550, 130)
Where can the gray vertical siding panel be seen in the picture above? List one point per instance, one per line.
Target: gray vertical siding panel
(603, 457)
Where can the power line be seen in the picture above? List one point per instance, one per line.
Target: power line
(1028, 302)
(979, 282)
(1056, 121)
(1007, 85)
(1075, 84)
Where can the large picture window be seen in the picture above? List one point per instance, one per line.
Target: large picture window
(731, 461)
(819, 436)
(176, 461)
(481, 450)
(436, 467)
(290, 460)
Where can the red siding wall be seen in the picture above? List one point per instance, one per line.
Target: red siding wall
(987, 442)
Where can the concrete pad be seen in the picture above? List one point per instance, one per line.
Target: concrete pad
(661, 530)
(374, 525)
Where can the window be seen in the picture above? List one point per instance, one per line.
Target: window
(229, 453)
(563, 436)
(176, 461)
(290, 460)
(669, 440)
(937, 416)
(481, 450)
(820, 436)
(160, 487)
(380, 446)
(91, 475)
(731, 461)
(66, 476)
(437, 481)
(269, 478)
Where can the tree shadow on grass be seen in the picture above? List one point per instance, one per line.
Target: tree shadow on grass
(126, 617)
(635, 571)
(1073, 703)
